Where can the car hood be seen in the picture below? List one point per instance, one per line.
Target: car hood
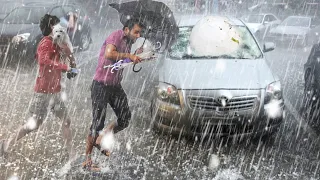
(216, 74)
(253, 26)
(14, 29)
(290, 30)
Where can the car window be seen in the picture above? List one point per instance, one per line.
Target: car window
(68, 9)
(57, 11)
(271, 18)
(81, 13)
(266, 18)
(25, 15)
(315, 22)
(297, 21)
(247, 49)
(8, 6)
(255, 19)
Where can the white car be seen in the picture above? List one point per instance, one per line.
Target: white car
(293, 30)
(260, 24)
(234, 93)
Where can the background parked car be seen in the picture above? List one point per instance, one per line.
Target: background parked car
(21, 33)
(7, 6)
(292, 31)
(260, 24)
(313, 36)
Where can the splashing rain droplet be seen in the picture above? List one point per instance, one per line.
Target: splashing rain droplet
(13, 177)
(31, 123)
(128, 145)
(214, 162)
(63, 96)
(107, 141)
(273, 109)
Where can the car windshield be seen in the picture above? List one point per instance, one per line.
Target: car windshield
(25, 15)
(296, 21)
(255, 19)
(247, 49)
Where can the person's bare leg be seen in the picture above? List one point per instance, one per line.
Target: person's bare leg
(67, 135)
(66, 130)
(89, 149)
(22, 132)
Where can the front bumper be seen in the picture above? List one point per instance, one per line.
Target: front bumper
(182, 119)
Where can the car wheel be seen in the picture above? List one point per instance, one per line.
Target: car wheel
(85, 41)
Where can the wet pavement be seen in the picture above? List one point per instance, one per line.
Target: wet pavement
(141, 153)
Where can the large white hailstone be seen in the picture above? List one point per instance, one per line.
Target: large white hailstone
(31, 123)
(214, 162)
(214, 36)
(107, 141)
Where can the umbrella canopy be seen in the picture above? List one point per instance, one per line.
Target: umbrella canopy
(157, 17)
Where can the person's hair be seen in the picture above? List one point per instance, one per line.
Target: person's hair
(45, 23)
(131, 22)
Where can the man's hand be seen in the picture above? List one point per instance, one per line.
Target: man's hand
(135, 59)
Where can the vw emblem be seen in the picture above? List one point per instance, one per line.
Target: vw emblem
(222, 101)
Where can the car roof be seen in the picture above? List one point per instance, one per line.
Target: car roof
(191, 20)
(299, 17)
(47, 3)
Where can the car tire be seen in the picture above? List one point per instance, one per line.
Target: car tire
(85, 41)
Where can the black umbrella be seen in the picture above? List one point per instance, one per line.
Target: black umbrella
(157, 16)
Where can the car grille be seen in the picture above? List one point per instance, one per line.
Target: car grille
(234, 104)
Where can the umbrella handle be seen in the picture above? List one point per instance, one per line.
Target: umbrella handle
(136, 70)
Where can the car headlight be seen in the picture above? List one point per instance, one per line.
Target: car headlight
(21, 38)
(273, 92)
(168, 93)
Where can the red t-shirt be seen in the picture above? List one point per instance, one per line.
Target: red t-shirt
(50, 67)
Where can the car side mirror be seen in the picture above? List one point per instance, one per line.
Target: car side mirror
(266, 22)
(313, 26)
(268, 46)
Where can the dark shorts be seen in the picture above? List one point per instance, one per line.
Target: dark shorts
(115, 96)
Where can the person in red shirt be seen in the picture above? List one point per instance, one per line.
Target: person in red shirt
(47, 89)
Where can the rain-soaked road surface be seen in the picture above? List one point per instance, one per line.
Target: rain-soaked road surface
(143, 154)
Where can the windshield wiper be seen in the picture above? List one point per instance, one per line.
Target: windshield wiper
(187, 56)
